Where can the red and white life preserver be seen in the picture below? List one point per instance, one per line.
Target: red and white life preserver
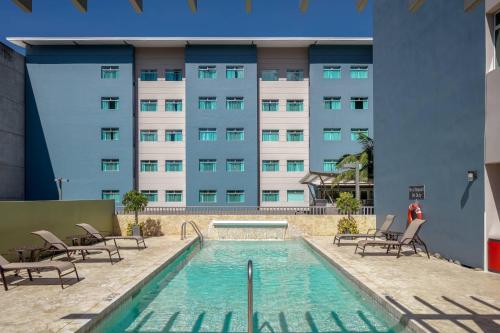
(414, 208)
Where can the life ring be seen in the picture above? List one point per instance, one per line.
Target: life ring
(414, 208)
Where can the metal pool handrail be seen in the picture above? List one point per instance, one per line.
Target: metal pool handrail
(195, 227)
(250, 296)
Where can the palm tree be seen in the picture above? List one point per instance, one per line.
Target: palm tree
(365, 158)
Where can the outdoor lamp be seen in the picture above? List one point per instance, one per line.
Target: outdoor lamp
(471, 175)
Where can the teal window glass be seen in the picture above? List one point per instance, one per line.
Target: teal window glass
(173, 196)
(110, 72)
(110, 165)
(270, 75)
(208, 165)
(235, 134)
(149, 136)
(359, 72)
(173, 135)
(110, 103)
(359, 103)
(235, 72)
(270, 165)
(173, 166)
(235, 103)
(294, 166)
(208, 196)
(294, 195)
(235, 196)
(270, 105)
(332, 72)
(111, 195)
(294, 75)
(270, 135)
(151, 195)
(332, 103)
(149, 75)
(235, 165)
(332, 134)
(149, 105)
(173, 105)
(110, 134)
(329, 165)
(356, 132)
(207, 103)
(270, 196)
(295, 105)
(173, 75)
(149, 166)
(207, 72)
(207, 134)
(294, 135)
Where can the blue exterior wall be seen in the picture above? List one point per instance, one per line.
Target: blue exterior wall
(221, 119)
(429, 79)
(64, 120)
(344, 56)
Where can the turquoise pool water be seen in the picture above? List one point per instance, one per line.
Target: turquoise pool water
(295, 290)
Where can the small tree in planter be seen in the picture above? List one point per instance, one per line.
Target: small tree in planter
(134, 201)
(347, 204)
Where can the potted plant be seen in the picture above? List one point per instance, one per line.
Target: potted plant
(135, 201)
(347, 204)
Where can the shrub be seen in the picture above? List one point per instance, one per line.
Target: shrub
(347, 204)
(347, 225)
(149, 228)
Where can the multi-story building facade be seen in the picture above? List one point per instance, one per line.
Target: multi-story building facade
(193, 122)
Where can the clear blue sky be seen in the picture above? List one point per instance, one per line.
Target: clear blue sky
(173, 18)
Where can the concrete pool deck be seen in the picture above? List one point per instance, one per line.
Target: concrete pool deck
(438, 296)
(42, 306)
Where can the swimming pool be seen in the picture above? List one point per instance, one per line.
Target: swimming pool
(295, 290)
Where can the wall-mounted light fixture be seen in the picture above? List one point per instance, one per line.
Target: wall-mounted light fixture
(471, 175)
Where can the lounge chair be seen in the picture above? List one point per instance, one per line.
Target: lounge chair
(408, 238)
(372, 233)
(59, 266)
(100, 237)
(57, 245)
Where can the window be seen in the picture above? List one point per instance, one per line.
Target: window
(111, 195)
(110, 134)
(235, 103)
(149, 166)
(110, 72)
(151, 195)
(173, 75)
(295, 105)
(207, 196)
(359, 72)
(294, 135)
(207, 103)
(332, 103)
(149, 75)
(294, 75)
(359, 103)
(270, 105)
(207, 134)
(270, 196)
(356, 132)
(497, 39)
(173, 105)
(235, 72)
(332, 134)
(235, 165)
(235, 196)
(110, 165)
(173, 196)
(332, 72)
(294, 165)
(207, 72)
(148, 105)
(149, 136)
(235, 134)
(329, 165)
(270, 75)
(208, 165)
(110, 103)
(173, 135)
(270, 135)
(270, 165)
(294, 195)
(173, 166)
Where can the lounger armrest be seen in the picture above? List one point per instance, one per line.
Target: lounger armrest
(374, 230)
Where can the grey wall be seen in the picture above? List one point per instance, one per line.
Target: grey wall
(221, 119)
(343, 56)
(64, 119)
(429, 94)
(11, 124)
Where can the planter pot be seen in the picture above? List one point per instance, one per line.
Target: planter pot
(136, 230)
